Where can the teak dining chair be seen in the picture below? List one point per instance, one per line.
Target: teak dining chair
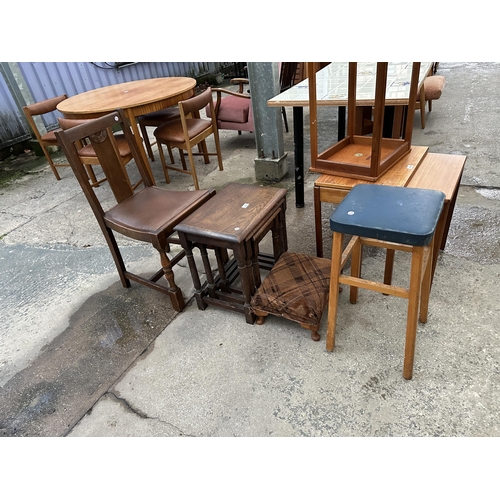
(155, 119)
(187, 132)
(149, 214)
(89, 156)
(48, 138)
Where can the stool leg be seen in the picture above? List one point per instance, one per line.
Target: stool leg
(389, 265)
(314, 331)
(426, 285)
(413, 303)
(333, 299)
(356, 258)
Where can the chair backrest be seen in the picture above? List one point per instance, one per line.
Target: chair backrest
(99, 132)
(67, 123)
(287, 74)
(196, 103)
(41, 108)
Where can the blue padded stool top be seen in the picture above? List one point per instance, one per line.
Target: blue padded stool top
(389, 213)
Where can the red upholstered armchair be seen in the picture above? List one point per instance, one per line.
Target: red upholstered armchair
(234, 110)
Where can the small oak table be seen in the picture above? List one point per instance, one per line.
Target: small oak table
(136, 98)
(236, 219)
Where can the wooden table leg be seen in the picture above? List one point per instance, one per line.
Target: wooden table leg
(245, 270)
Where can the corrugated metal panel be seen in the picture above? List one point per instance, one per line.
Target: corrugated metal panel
(49, 79)
(13, 127)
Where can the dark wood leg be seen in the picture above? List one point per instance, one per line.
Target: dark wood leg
(245, 270)
(188, 248)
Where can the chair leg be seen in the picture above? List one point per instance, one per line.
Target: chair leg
(193, 169)
(217, 146)
(171, 155)
(147, 144)
(117, 256)
(174, 292)
(51, 163)
(430, 105)
(283, 112)
(163, 164)
(333, 299)
(413, 306)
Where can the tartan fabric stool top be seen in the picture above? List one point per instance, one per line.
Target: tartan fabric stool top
(295, 288)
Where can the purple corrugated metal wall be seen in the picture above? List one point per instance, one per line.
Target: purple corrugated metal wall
(48, 79)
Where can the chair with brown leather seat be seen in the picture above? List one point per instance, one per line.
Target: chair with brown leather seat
(155, 119)
(45, 139)
(149, 214)
(89, 156)
(187, 132)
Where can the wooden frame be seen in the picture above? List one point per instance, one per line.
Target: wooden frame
(356, 156)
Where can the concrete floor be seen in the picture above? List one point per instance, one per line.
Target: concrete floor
(81, 356)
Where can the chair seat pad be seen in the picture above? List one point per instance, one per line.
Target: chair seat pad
(172, 131)
(121, 142)
(153, 210)
(433, 87)
(158, 118)
(233, 109)
(296, 288)
(50, 136)
(389, 213)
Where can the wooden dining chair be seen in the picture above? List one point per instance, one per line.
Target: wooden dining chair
(233, 109)
(89, 156)
(187, 132)
(155, 119)
(148, 214)
(45, 139)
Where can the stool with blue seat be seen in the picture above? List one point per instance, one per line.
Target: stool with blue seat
(394, 218)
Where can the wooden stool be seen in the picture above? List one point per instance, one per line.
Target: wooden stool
(395, 218)
(297, 289)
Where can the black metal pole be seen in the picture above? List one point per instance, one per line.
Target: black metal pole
(298, 138)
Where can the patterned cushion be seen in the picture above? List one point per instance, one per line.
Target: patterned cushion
(296, 288)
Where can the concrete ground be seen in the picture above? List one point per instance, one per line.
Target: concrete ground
(81, 356)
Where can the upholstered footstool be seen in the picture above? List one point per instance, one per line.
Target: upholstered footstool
(296, 288)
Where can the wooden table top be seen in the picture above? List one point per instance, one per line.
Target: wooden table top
(234, 213)
(135, 94)
(439, 171)
(331, 85)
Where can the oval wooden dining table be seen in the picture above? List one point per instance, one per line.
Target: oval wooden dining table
(136, 98)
